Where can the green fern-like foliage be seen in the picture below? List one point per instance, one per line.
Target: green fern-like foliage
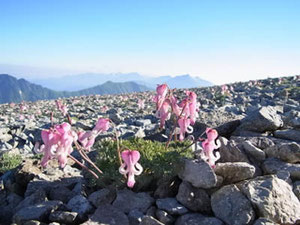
(9, 162)
(157, 162)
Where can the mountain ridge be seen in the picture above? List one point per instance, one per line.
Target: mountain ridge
(17, 90)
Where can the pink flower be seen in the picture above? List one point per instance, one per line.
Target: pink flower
(61, 107)
(209, 145)
(57, 143)
(101, 125)
(175, 107)
(159, 98)
(184, 125)
(87, 139)
(193, 106)
(130, 167)
(164, 113)
(141, 103)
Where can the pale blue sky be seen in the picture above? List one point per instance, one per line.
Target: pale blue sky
(222, 41)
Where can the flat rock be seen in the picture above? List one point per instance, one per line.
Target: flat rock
(197, 219)
(102, 196)
(234, 172)
(128, 200)
(107, 214)
(274, 165)
(253, 151)
(171, 205)
(273, 198)
(194, 199)
(38, 212)
(287, 152)
(80, 205)
(261, 120)
(230, 205)
(36, 198)
(198, 173)
(289, 134)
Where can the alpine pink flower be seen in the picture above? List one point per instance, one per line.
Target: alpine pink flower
(101, 125)
(159, 98)
(164, 113)
(57, 143)
(184, 125)
(130, 167)
(209, 145)
(87, 139)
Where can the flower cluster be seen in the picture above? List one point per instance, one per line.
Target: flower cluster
(87, 139)
(186, 111)
(57, 143)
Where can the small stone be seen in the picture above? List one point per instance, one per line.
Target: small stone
(194, 199)
(135, 217)
(289, 134)
(149, 220)
(80, 205)
(231, 206)
(197, 219)
(107, 214)
(198, 173)
(102, 196)
(171, 205)
(38, 212)
(128, 200)
(234, 172)
(63, 217)
(164, 217)
(253, 151)
(288, 152)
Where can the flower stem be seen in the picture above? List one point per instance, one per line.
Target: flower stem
(83, 166)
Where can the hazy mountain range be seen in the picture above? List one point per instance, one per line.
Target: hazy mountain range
(17, 90)
(82, 81)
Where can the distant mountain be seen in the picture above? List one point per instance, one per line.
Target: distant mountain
(81, 81)
(17, 90)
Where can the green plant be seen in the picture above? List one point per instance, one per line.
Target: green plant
(157, 161)
(9, 162)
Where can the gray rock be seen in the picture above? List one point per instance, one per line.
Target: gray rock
(107, 214)
(167, 188)
(143, 122)
(261, 120)
(102, 196)
(198, 173)
(151, 211)
(234, 172)
(197, 219)
(231, 206)
(38, 212)
(32, 222)
(36, 198)
(171, 206)
(296, 189)
(274, 199)
(289, 134)
(128, 200)
(231, 152)
(273, 166)
(164, 217)
(288, 152)
(194, 199)
(135, 217)
(149, 220)
(60, 193)
(264, 221)
(253, 151)
(63, 217)
(80, 205)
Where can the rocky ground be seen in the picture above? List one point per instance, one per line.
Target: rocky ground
(256, 181)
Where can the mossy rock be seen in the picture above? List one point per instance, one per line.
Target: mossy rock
(157, 162)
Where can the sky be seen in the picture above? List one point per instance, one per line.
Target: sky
(220, 41)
